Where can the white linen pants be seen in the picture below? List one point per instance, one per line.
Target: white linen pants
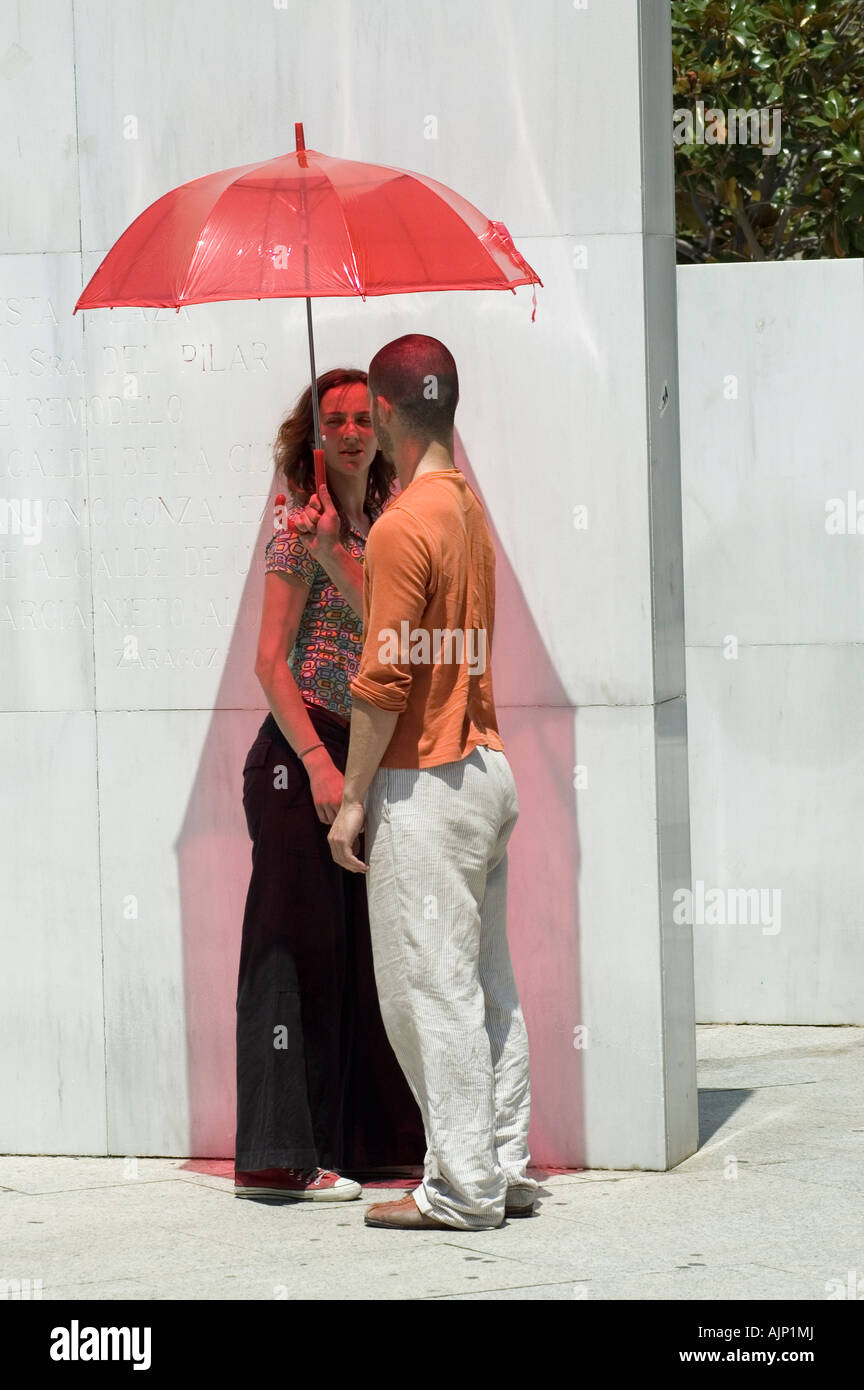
(436, 845)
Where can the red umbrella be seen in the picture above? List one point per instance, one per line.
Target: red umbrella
(301, 226)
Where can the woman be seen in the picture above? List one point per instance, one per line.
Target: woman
(318, 1086)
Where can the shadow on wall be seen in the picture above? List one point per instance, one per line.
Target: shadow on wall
(537, 727)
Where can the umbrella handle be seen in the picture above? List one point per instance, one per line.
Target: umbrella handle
(320, 473)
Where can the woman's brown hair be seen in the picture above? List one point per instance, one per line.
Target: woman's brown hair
(292, 450)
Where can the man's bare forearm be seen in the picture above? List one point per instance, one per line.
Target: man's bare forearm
(371, 731)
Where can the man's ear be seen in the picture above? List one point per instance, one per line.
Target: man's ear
(385, 410)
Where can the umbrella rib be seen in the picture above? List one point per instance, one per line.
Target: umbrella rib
(440, 190)
(360, 287)
(166, 213)
(264, 240)
(470, 230)
(400, 220)
(418, 178)
(246, 169)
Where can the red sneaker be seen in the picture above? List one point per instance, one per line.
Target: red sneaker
(300, 1184)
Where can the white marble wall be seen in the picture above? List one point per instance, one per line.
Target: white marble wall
(770, 374)
(128, 692)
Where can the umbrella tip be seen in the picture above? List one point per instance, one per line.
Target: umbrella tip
(300, 143)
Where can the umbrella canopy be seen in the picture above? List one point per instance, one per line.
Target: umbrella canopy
(305, 225)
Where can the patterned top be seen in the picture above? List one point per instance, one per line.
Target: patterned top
(329, 643)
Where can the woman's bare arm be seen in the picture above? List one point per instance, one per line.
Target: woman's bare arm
(284, 600)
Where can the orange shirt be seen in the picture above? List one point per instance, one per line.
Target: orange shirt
(428, 615)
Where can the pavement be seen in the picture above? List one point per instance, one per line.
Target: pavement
(770, 1207)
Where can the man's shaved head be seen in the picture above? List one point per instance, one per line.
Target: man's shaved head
(417, 375)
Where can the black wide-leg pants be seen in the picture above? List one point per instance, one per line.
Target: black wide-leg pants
(317, 1082)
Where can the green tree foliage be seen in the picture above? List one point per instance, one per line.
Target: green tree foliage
(735, 201)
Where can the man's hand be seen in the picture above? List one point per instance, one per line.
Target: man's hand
(344, 836)
(318, 524)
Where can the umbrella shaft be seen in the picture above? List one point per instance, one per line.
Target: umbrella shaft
(315, 419)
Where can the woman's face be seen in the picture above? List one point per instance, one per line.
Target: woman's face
(347, 436)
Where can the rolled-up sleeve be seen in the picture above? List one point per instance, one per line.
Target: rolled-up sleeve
(398, 578)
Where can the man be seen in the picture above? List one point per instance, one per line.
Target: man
(440, 805)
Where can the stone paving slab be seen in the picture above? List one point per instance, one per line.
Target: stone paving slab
(770, 1207)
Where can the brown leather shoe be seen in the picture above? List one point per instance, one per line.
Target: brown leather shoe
(404, 1215)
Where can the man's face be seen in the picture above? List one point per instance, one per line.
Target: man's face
(382, 434)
